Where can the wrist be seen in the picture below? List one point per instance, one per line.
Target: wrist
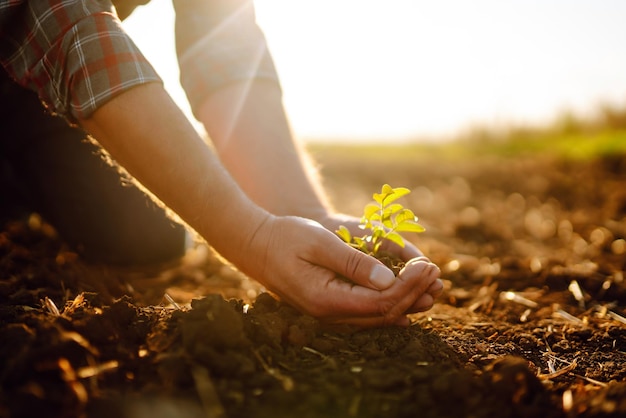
(234, 228)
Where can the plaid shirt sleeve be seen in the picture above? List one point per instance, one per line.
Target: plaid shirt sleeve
(74, 53)
(218, 42)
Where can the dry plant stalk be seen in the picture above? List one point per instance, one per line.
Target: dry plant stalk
(51, 307)
(557, 373)
(172, 302)
(577, 292)
(517, 298)
(286, 381)
(91, 371)
(207, 393)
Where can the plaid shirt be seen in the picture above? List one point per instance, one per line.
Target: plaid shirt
(76, 55)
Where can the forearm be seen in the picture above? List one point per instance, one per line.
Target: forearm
(148, 135)
(295, 258)
(247, 123)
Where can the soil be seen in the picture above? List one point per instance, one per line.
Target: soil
(531, 322)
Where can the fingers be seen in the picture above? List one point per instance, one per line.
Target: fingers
(376, 297)
(424, 303)
(362, 306)
(356, 266)
(422, 266)
(309, 279)
(436, 289)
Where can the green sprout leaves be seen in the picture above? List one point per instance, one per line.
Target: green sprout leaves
(384, 219)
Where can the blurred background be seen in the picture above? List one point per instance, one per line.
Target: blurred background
(413, 71)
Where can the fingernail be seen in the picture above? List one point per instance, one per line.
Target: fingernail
(381, 277)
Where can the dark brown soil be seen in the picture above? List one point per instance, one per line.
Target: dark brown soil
(531, 323)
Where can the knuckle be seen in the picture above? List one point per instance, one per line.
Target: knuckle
(435, 271)
(352, 264)
(389, 311)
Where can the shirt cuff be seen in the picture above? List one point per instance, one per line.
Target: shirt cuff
(101, 62)
(74, 55)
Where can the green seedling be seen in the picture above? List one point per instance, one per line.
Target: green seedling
(385, 220)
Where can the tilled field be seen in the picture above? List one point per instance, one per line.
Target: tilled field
(532, 321)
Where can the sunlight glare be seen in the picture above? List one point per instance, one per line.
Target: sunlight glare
(402, 69)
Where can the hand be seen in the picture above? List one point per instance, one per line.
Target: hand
(299, 261)
(416, 262)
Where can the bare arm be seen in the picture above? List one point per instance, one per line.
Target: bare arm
(148, 135)
(296, 258)
(247, 123)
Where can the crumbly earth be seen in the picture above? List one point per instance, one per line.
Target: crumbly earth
(531, 322)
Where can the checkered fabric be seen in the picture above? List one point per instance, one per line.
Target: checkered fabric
(218, 42)
(73, 53)
(76, 55)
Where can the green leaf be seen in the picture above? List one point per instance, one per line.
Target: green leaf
(344, 234)
(370, 211)
(395, 237)
(383, 220)
(360, 243)
(405, 215)
(392, 209)
(410, 227)
(378, 233)
(395, 194)
(379, 197)
(385, 191)
(388, 222)
(406, 221)
(366, 224)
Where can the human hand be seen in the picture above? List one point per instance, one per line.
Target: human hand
(415, 261)
(301, 261)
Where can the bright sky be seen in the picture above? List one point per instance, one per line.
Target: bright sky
(401, 69)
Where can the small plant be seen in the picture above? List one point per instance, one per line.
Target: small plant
(385, 220)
